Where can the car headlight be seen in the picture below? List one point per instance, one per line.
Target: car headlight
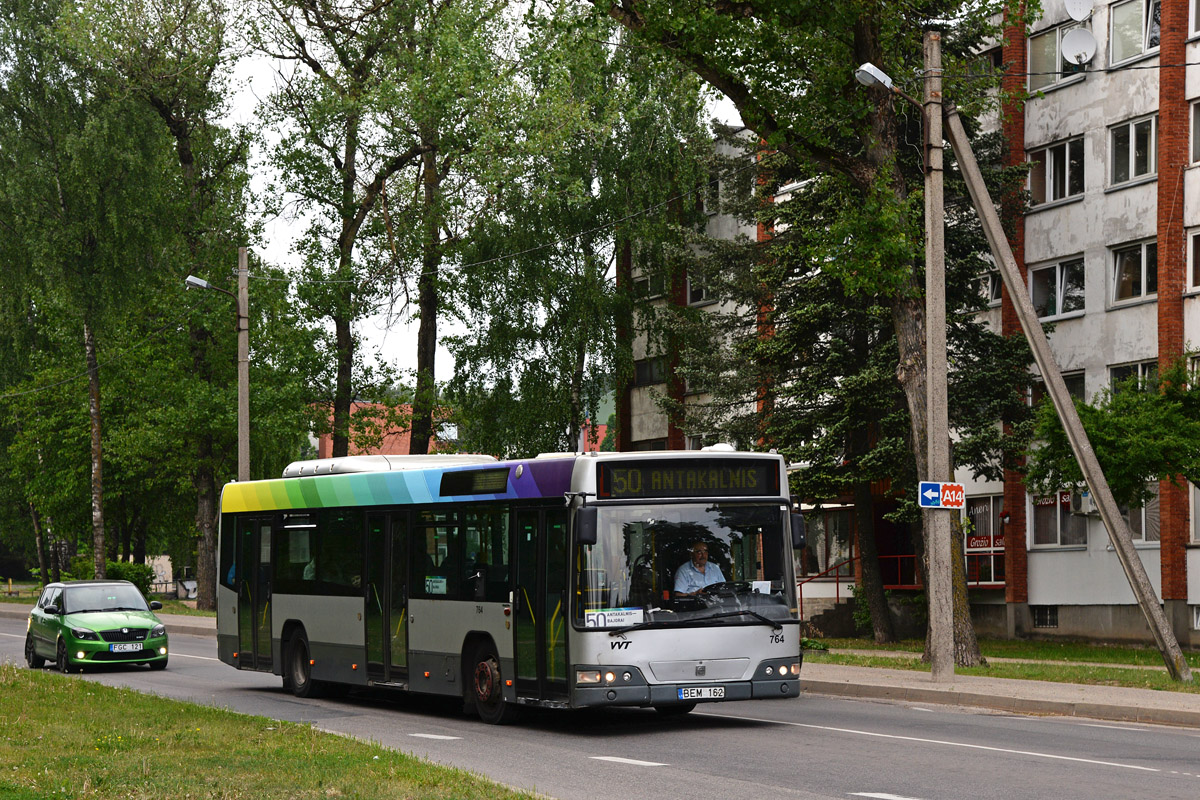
(157, 631)
(84, 633)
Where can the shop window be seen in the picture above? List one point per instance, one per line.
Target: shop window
(1053, 523)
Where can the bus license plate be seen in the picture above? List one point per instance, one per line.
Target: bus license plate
(131, 647)
(702, 693)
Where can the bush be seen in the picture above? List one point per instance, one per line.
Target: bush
(140, 575)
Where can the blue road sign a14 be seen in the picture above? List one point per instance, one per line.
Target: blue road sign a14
(934, 494)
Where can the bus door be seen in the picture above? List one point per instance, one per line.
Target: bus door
(386, 598)
(253, 572)
(540, 603)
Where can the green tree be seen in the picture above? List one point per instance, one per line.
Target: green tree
(787, 67)
(1141, 431)
(620, 143)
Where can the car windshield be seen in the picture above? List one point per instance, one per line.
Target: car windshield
(646, 568)
(81, 599)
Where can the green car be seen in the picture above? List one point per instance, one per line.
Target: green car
(80, 623)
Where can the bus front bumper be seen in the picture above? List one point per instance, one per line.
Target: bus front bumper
(635, 691)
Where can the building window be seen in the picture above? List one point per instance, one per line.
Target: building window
(1134, 29)
(1144, 371)
(1057, 289)
(1193, 267)
(991, 286)
(1073, 380)
(697, 292)
(648, 287)
(1135, 271)
(1195, 513)
(649, 371)
(1134, 148)
(1046, 63)
(829, 546)
(1056, 172)
(1053, 523)
(984, 541)
(1196, 128)
(1143, 520)
(1044, 616)
(702, 440)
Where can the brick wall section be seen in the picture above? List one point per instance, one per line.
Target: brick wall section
(1016, 585)
(624, 338)
(1172, 262)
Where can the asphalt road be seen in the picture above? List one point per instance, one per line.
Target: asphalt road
(814, 747)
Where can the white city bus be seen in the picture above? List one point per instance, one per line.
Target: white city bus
(539, 582)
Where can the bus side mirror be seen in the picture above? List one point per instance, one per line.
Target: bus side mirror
(798, 538)
(585, 525)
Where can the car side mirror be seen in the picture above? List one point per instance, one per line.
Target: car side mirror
(52, 610)
(585, 525)
(155, 605)
(798, 537)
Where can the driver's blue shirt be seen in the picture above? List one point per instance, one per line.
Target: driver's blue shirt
(688, 579)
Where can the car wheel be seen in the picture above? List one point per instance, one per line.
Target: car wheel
(487, 689)
(299, 667)
(63, 661)
(31, 657)
(158, 664)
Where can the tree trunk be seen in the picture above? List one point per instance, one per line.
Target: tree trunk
(40, 541)
(342, 393)
(966, 645)
(204, 483)
(427, 299)
(93, 371)
(872, 580)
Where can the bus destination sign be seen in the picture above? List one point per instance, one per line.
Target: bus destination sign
(708, 477)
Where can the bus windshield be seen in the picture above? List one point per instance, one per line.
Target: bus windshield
(644, 570)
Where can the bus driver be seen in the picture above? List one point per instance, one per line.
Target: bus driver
(694, 575)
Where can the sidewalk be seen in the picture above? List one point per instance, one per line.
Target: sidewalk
(1113, 703)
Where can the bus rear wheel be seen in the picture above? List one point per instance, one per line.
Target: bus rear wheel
(299, 668)
(487, 689)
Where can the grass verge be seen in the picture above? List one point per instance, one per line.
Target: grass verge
(65, 737)
(1059, 671)
(170, 605)
(1035, 650)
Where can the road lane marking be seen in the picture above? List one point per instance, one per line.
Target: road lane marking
(882, 796)
(434, 736)
(185, 655)
(631, 761)
(984, 747)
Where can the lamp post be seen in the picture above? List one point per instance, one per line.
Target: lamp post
(241, 301)
(937, 521)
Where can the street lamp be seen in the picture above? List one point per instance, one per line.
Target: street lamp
(941, 598)
(241, 301)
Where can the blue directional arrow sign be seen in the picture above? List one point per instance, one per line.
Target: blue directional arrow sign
(935, 494)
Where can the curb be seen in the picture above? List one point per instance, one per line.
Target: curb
(1014, 705)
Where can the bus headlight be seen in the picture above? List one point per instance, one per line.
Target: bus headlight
(587, 676)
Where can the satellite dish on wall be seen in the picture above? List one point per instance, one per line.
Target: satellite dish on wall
(1078, 46)
(1079, 9)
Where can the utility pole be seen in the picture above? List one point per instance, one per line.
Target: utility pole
(243, 367)
(937, 521)
(1118, 530)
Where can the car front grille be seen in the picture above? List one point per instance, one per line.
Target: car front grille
(124, 635)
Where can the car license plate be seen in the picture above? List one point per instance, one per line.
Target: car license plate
(129, 647)
(702, 693)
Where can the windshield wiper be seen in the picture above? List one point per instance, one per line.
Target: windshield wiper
(745, 611)
(653, 623)
(678, 622)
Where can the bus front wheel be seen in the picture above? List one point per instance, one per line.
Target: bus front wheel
(299, 668)
(487, 687)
